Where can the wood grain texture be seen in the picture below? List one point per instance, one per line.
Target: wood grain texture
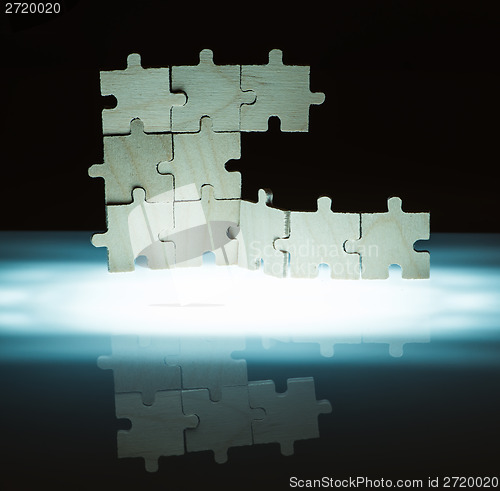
(289, 416)
(157, 430)
(202, 226)
(318, 238)
(141, 93)
(282, 90)
(212, 90)
(260, 226)
(199, 159)
(131, 161)
(223, 424)
(207, 363)
(139, 368)
(388, 238)
(133, 231)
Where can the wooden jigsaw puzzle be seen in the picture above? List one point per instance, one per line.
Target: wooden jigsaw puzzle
(170, 387)
(169, 198)
(171, 134)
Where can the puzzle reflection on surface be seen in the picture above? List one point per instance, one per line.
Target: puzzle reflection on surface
(170, 198)
(189, 394)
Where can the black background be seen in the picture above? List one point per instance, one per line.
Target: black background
(411, 104)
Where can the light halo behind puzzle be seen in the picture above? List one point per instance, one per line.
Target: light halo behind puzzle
(169, 195)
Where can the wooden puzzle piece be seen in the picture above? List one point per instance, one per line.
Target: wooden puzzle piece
(223, 424)
(290, 416)
(282, 90)
(260, 226)
(141, 93)
(397, 341)
(131, 161)
(388, 238)
(200, 158)
(206, 363)
(212, 90)
(326, 342)
(133, 231)
(157, 430)
(318, 238)
(141, 368)
(202, 226)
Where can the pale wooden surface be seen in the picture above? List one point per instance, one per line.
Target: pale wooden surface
(202, 226)
(200, 116)
(289, 416)
(131, 161)
(141, 93)
(141, 368)
(388, 238)
(200, 158)
(133, 230)
(212, 90)
(318, 238)
(157, 430)
(223, 424)
(207, 363)
(326, 342)
(282, 90)
(260, 226)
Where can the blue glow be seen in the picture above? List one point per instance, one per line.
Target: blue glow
(55, 285)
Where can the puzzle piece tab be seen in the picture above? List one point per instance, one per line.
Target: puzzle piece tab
(260, 226)
(388, 238)
(200, 158)
(133, 231)
(131, 161)
(282, 90)
(326, 342)
(318, 238)
(206, 363)
(223, 424)
(141, 93)
(212, 90)
(202, 226)
(141, 367)
(290, 416)
(157, 430)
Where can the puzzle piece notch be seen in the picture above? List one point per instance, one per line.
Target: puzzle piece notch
(223, 424)
(326, 343)
(133, 230)
(387, 238)
(397, 339)
(199, 158)
(260, 225)
(206, 363)
(289, 416)
(213, 90)
(203, 226)
(131, 161)
(140, 368)
(318, 238)
(282, 91)
(141, 93)
(157, 430)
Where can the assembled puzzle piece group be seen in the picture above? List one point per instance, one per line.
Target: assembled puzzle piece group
(169, 197)
(189, 395)
(171, 134)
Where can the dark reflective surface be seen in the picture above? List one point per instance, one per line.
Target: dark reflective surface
(431, 412)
